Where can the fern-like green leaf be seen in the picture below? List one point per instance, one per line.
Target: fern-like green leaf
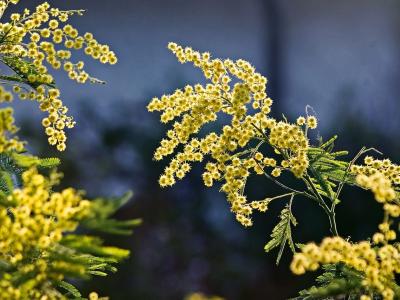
(282, 232)
(93, 246)
(50, 162)
(71, 290)
(102, 209)
(27, 161)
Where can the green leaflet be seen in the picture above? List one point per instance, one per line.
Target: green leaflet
(74, 260)
(322, 182)
(7, 163)
(326, 171)
(6, 182)
(10, 174)
(282, 232)
(71, 290)
(102, 209)
(26, 161)
(94, 246)
(329, 143)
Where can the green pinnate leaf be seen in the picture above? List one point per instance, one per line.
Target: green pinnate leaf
(282, 232)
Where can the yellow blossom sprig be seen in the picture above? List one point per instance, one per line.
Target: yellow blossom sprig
(238, 91)
(33, 42)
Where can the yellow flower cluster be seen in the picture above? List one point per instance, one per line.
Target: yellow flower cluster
(379, 264)
(30, 44)
(201, 296)
(34, 222)
(7, 128)
(290, 140)
(379, 184)
(93, 296)
(384, 166)
(238, 91)
(385, 235)
(5, 96)
(382, 177)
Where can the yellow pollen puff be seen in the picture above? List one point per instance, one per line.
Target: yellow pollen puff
(276, 172)
(301, 121)
(312, 122)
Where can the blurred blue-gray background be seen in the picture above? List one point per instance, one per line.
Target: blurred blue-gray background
(341, 57)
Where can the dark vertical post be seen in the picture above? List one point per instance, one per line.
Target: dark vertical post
(273, 46)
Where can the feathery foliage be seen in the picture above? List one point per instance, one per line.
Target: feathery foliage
(282, 232)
